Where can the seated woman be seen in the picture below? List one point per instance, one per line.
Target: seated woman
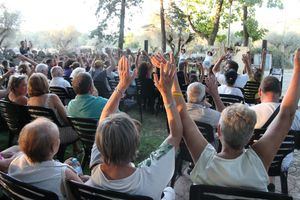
(17, 87)
(38, 91)
(236, 166)
(230, 78)
(117, 139)
(39, 142)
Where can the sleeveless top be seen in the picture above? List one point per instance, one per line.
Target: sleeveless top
(48, 175)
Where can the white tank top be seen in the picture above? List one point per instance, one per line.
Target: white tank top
(48, 175)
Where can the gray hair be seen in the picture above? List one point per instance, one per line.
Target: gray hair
(77, 71)
(195, 92)
(57, 71)
(237, 124)
(117, 138)
(42, 68)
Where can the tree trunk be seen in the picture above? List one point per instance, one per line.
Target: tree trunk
(213, 35)
(163, 27)
(122, 24)
(245, 29)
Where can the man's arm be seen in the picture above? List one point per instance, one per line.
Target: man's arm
(270, 142)
(32, 62)
(263, 60)
(217, 66)
(212, 87)
(247, 62)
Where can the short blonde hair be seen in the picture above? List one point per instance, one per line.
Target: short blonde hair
(37, 139)
(38, 85)
(237, 125)
(118, 139)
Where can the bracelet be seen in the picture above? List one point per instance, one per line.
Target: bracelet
(177, 94)
(167, 106)
(120, 92)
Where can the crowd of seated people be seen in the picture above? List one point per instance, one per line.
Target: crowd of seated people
(117, 137)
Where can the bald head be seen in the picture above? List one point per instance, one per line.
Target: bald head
(82, 83)
(39, 140)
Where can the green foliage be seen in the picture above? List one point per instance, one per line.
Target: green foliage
(9, 24)
(108, 12)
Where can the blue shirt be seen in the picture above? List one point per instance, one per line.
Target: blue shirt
(86, 106)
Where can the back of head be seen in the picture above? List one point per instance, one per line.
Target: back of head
(98, 64)
(143, 70)
(38, 140)
(38, 85)
(117, 138)
(57, 71)
(236, 125)
(82, 83)
(230, 64)
(75, 65)
(42, 68)
(15, 81)
(271, 84)
(181, 66)
(230, 77)
(195, 93)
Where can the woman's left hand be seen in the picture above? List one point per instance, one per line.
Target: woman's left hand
(126, 77)
(167, 74)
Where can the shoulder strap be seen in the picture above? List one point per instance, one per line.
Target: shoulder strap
(265, 126)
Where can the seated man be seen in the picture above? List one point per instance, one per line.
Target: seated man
(58, 80)
(85, 105)
(230, 64)
(270, 92)
(198, 108)
(42, 68)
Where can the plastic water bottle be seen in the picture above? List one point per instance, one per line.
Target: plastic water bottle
(76, 166)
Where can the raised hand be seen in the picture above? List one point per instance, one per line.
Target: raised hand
(246, 58)
(211, 85)
(297, 58)
(165, 82)
(124, 73)
(157, 60)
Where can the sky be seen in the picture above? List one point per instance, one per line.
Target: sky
(43, 15)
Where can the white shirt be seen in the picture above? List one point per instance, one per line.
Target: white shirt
(265, 110)
(149, 179)
(246, 171)
(203, 114)
(59, 82)
(207, 61)
(240, 82)
(225, 89)
(48, 175)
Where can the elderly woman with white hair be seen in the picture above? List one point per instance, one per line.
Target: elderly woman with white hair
(58, 80)
(118, 138)
(236, 166)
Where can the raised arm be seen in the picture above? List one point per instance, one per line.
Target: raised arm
(263, 60)
(125, 80)
(32, 62)
(201, 72)
(270, 142)
(113, 63)
(164, 85)
(247, 62)
(192, 136)
(217, 66)
(212, 89)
